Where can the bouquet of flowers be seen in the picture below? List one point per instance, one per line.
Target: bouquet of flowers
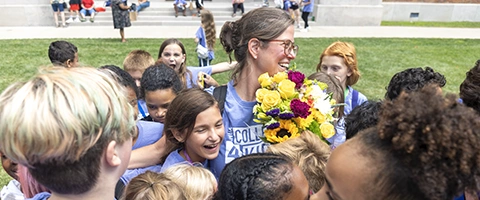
(288, 104)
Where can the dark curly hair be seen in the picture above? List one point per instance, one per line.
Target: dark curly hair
(470, 88)
(425, 147)
(60, 52)
(256, 176)
(411, 80)
(362, 117)
(160, 77)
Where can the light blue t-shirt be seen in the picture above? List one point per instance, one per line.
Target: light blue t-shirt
(241, 132)
(175, 158)
(348, 101)
(195, 71)
(308, 7)
(148, 133)
(339, 137)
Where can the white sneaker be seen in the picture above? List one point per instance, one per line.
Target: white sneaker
(69, 20)
(76, 20)
(303, 30)
(308, 28)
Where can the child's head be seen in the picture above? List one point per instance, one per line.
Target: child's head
(160, 85)
(136, 62)
(424, 147)
(208, 24)
(340, 60)
(71, 127)
(172, 53)
(194, 123)
(413, 79)
(470, 88)
(9, 166)
(262, 176)
(153, 186)
(362, 117)
(196, 182)
(334, 87)
(309, 153)
(63, 53)
(125, 80)
(261, 24)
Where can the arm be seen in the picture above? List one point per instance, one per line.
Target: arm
(148, 155)
(223, 66)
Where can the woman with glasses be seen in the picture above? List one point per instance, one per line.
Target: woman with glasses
(261, 41)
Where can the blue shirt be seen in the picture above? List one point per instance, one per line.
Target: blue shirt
(148, 133)
(308, 7)
(348, 101)
(194, 78)
(241, 132)
(175, 158)
(202, 40)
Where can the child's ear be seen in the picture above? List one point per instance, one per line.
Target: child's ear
(68, 63)
(112, 155)
(179, 136)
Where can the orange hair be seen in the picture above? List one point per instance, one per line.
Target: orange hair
(346, 51)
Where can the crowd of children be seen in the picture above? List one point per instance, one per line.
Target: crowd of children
(153, 130)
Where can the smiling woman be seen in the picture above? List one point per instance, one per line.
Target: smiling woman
(254, 41)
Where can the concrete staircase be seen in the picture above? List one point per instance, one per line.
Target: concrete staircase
(161, 13)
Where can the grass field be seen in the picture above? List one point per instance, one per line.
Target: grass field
(433, 24)
(379, 59)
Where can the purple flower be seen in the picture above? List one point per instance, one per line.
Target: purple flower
(299, 108)
(274, 112)
(273, 125)
(286, 115)
(297, 78)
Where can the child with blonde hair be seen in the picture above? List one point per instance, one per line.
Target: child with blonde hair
(75, 138)
(153, 186)
(206, 36)
(309, 153)
(197, 182)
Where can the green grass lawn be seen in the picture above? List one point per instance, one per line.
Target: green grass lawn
(432, 24)
(378, 59)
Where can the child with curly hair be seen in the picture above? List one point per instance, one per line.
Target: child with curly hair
(425, 147)
(470, 88)
(206, 36)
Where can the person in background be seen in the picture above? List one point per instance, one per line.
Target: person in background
(206, 37)
(121, 17)
(238, 4)
(74, 8)
(340, 60)
(63, 54)
(58, 8)
(87, 9)
(307, 9)
(180, 5)
(142, 4)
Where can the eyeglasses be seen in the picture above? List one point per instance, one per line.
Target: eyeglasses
(290, 47)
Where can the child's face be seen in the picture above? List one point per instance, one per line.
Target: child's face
(336, 66)
(206, 138)
(136, 75)
(157, 103)
(9, 166)
(172, 56)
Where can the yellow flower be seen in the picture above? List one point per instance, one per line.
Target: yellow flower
(286, 89)
(265, 80)
(272, 135)
(280, 76)
(271, 98)
(327, 129)
(260, 94)
(318, 116)
(303, 123)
